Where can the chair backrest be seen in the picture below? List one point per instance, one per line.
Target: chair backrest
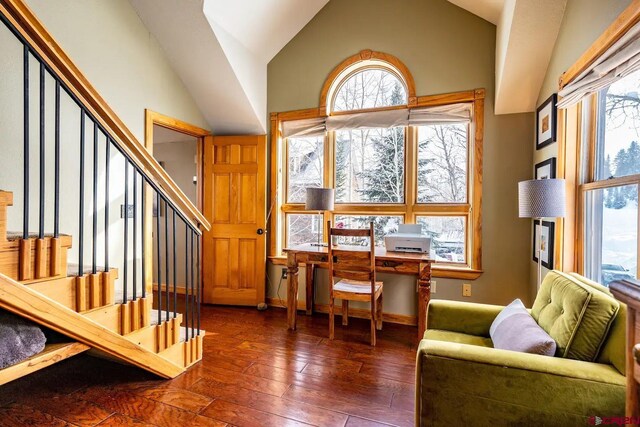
(349, 261)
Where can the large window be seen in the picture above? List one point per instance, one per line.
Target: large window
(389, 173)
(612, 181)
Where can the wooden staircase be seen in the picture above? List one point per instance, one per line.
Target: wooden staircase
(35, 284)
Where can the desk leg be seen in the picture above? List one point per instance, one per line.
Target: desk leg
(310, 269)
(292, 290)
(424, 295)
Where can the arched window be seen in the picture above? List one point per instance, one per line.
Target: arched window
(392, 157)
(369, 88)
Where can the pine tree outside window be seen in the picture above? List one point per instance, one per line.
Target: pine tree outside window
(426, 174)
(612, 182)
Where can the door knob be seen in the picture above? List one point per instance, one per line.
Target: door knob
(260, 231)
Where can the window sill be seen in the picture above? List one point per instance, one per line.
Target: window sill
(438, 271)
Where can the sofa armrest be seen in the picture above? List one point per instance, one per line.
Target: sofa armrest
(463, 317)
(503, 387)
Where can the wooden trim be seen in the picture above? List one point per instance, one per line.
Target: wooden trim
(360, 313)
(52, 353)
(42, 43)
(627, 19)
(154, 118)
(366, 55)
(476, 173)
(613, 182)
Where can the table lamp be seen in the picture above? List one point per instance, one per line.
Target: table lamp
(319, 200)
(538, 199)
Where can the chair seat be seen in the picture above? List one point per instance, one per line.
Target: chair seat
(457, 337)
(355, 286)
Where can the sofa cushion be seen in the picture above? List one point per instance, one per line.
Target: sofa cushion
(514, 329)
(575, 315)
(612, 352)
(457, 337)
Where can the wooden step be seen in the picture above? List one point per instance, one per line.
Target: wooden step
(52, 353)
(33, 259)
(79, 293)
(25, 302)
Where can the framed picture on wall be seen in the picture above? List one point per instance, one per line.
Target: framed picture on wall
(547, 242)
(546, 116)
(546, 169)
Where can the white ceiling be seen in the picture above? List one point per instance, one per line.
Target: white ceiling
(526, 33)
(221, 48)
(489, 10)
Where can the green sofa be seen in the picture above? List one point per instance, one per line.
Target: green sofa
(462, 380)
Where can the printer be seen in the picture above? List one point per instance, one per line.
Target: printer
(409, 238)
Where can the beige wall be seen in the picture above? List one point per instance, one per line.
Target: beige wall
(446, 49)
(122, 60)
(111, 46)
(583, 22)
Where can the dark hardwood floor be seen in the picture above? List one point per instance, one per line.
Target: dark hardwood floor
(254, 373)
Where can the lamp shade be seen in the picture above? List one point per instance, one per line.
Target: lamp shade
(319, 199)
(542, 198)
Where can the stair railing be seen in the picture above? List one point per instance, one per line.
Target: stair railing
(145, 183)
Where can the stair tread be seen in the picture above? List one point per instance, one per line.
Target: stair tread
(153, 316)
(73, 269)
(52, 353)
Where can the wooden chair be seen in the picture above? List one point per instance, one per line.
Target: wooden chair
(352, 277)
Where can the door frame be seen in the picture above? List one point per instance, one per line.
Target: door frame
(154, 118)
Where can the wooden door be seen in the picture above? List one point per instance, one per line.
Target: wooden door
(234, 251)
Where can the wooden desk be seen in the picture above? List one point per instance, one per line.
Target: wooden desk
(386, 262)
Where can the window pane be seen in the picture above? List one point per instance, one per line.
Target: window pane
(442, 163)
(447, 236)
(370, 88)
(303, 228)
(305, 166)
(618, 152)
(370, 166)
(611, 220)
(383, 225)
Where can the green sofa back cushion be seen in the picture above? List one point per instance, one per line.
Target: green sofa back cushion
(612, 352)
(575, 315)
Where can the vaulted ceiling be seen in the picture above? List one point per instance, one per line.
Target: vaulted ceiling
(221, 48)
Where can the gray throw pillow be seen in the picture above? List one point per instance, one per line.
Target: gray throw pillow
(514, 329)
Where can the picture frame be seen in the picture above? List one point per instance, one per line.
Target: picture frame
(546, 122)
(548, 242)
(546, 169)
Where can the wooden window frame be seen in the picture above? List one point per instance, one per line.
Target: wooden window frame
(577, 139)
(410, 209)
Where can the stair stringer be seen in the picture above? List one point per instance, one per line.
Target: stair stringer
(32, 305)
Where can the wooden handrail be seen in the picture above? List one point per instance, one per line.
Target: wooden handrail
(41, 41)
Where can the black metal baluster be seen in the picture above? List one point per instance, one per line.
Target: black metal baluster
(159, 278)
(144, 214)
(199, 292)
(107, 169)
(56, 201)
(25, 176)
(166, 253)
(192, 285)
(42, 154)
(81, 205)
(175, 281)
(186, 272)
(135, 233)
(94, 248)
(126, 229)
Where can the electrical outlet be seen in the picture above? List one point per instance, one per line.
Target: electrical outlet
(433, 286)
(284, 273)
(466, 290)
